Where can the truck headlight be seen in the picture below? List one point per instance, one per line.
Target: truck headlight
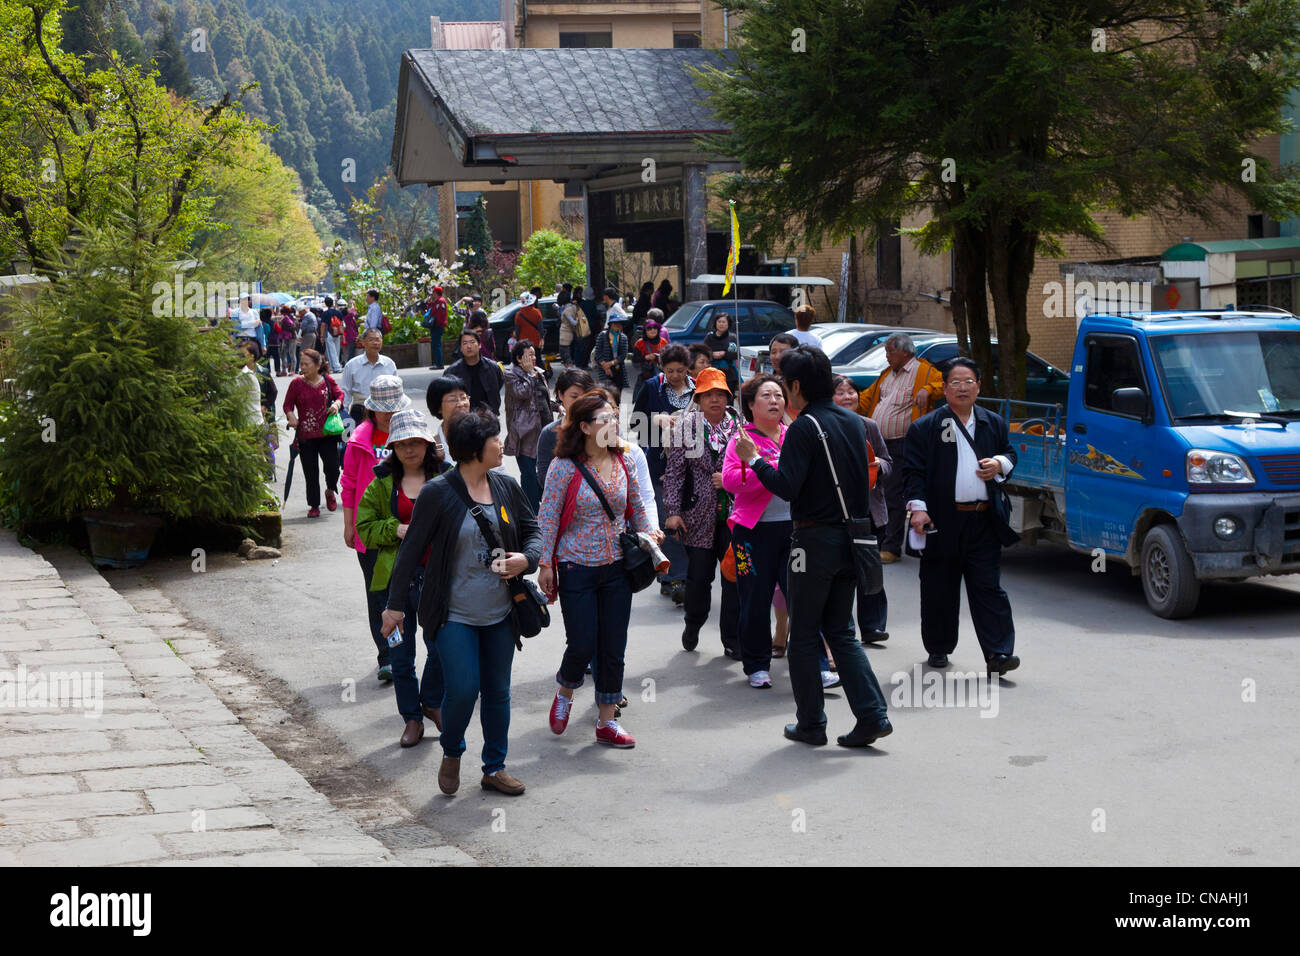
(1225, 527)
(1206, 467)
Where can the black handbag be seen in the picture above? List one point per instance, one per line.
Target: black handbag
(866, 553)
(529, 606)
(637, 563)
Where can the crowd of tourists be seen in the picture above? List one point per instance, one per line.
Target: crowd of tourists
(777, 491)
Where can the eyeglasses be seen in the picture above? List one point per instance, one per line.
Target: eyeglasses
(963, 382)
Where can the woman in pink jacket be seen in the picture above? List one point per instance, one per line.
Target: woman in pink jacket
(760, 524)
(367, 448)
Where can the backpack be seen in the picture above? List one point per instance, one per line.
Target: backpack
(384, 325)
(336, 325)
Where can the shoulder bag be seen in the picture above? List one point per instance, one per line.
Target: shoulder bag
(998, 496)
(637, 563)
(866, 554)
(528, 603)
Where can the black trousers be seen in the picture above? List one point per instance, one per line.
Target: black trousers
(895, 500)
(701, 566)
(975, 554)
(823, 583)
(326, 451)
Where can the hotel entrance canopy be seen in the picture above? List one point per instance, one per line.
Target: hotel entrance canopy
(548, 114)
(627, 124)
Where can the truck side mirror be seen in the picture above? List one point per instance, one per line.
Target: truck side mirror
(1129, 401)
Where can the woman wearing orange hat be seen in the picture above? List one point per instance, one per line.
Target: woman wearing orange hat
(697, 505)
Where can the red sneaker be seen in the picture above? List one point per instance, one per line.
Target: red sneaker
(331, 502)
(560, 708)
(615, 736)
(313, 512)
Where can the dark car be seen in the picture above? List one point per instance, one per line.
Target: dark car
(502, 324)
(759, 320)
(1043, 382)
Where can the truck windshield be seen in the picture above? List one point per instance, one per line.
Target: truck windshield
(1213, 373)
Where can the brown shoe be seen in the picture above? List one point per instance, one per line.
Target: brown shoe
(413, 733)
(449, 775)
(504, 782)
(434, 714)
(888, 557)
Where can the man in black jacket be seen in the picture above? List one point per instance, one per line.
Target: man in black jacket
(822, 576)
(953, 459)
(482, 376)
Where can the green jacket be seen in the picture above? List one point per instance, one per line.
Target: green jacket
(377, 524)
(377, 527)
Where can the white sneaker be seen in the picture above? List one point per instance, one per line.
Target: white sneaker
(830, 679)
(760, 679)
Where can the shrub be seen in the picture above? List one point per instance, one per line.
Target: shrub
(119, 406)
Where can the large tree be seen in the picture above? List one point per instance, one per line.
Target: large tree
(1010, 123)
(78, 141)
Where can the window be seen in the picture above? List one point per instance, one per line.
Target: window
(889, 256)
(772, 319)
(573, 189)
(1113, 362)
(939, 355)
(572, 41)
(686, 41)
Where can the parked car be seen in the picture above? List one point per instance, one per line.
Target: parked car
(841, 341)
(759, 320)
(1043, 382)
(502, 323)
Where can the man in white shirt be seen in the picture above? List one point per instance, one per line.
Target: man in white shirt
(953, 460)
(374, 315)
(361, 371)
(803, 319)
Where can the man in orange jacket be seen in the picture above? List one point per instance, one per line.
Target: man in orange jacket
(905, 391)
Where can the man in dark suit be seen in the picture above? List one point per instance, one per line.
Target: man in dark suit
(954, 458)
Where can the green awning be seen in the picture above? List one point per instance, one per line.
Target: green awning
(1242, 248)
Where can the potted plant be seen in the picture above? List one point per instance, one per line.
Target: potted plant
(124, 412)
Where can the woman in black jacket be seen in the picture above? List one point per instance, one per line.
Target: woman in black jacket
(466, 603)
(723, 342)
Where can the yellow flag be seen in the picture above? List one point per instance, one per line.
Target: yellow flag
(504, 517)
(733, 255)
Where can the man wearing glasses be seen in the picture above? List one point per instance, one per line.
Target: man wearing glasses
(953, 460)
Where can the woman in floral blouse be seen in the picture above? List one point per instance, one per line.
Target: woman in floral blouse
(583, 559)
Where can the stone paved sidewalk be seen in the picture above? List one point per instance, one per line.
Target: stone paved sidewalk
(165, 774)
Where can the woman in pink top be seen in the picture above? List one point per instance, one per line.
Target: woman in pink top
(760, 524)
(367, 448)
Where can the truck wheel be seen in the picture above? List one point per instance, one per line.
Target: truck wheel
(1168, 576)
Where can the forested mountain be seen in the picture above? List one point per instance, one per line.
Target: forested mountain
(327, 70)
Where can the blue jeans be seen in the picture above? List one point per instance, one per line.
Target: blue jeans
(376, 601)
(528, 480)
(435, 346)
(820, 598)
(413, 694)
(476, 664)
(597, 605)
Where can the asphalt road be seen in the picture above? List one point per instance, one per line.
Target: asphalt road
(1123, 738)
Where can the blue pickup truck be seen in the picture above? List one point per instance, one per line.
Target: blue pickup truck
(1177, 453)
